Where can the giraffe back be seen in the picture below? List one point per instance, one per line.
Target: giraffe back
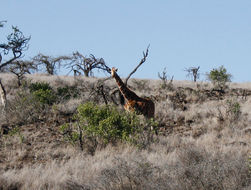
(143, 106)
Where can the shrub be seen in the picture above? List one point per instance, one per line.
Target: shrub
(70, 134)
(229, 113)
(43, 93)
(233, 110)
(107, 123)
(39, 86)
(67, 92)
(140, 84)
(45, 96)
(24, 108)
(219, 77)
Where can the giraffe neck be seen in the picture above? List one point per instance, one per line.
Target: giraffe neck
(126, 92)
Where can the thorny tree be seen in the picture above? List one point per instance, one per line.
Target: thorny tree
(16, 44)
(20, 68)
(193, 72)
(163, 76)
(85, 65)
(49, 64)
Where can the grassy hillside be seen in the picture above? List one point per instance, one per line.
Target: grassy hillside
(201, 137)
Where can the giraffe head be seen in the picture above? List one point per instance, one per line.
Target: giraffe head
(113, 71)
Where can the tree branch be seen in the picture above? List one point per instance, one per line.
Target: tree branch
(140, 63)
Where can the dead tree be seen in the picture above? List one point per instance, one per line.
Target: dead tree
(16, 44)
(193, 72)
(86, 65)
(49, 64)
(163, 76)
(20, 68)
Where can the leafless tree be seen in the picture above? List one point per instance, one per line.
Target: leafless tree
(20, 68)
(86, 65)
(49, 64)
(16, 44)
(193, 72)
(164, 78)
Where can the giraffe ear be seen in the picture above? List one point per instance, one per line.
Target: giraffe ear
(114, 69)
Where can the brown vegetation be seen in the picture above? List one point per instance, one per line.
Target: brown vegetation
(202, 140)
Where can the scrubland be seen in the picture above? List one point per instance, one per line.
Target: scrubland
(201, 139)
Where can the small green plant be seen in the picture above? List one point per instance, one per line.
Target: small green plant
(70, 133)
(219, 77)
(16, 131)
(229, 112)
(233, 110)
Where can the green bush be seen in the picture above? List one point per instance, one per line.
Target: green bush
(67, 92)
(219, 77)
(45, 96)
(43, 93)
(39, 86)
(107, 123)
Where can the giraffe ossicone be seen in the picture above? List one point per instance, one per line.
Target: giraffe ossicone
(133, 102)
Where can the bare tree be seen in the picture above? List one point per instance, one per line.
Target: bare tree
(49, 64)
(164, 78)
(193, 72)
(20, 68)
(85, 65)
(16, 44)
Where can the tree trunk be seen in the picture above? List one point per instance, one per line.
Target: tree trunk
(3, 95)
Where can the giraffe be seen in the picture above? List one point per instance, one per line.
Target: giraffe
(133, 102)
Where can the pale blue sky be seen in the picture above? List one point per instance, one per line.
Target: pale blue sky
(182, 33)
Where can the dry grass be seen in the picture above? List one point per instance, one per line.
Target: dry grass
(200, 143)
